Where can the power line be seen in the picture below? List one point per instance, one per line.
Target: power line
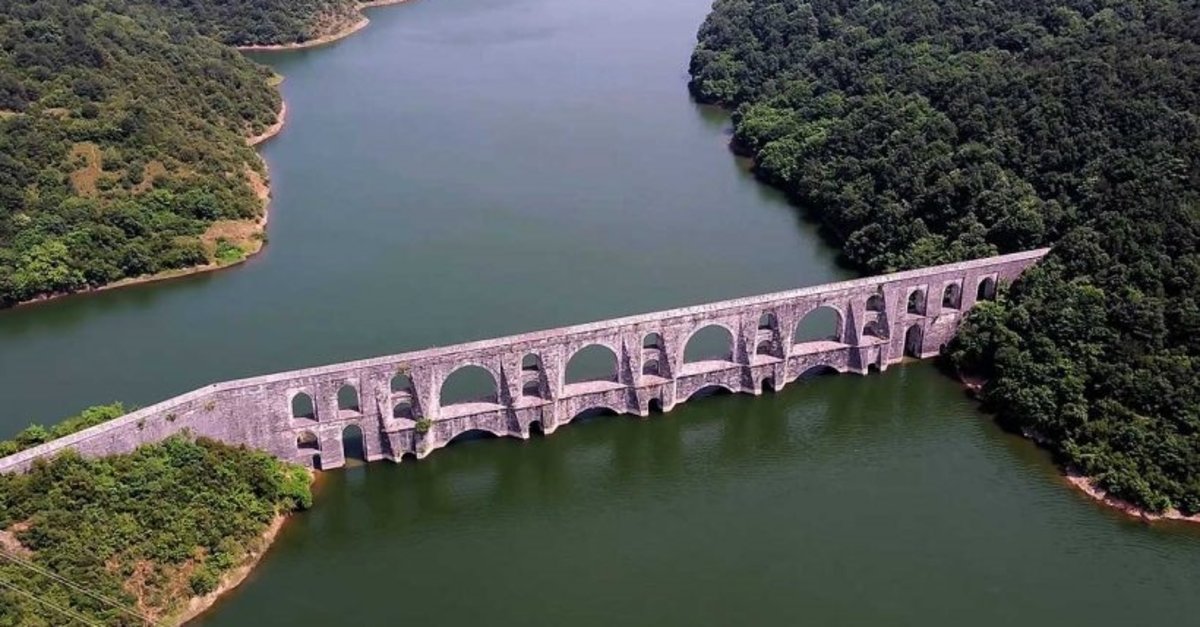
(68, 612)
(67, 582)
(74, 586)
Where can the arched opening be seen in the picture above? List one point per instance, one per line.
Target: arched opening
(873, 369)
(987, 289)
(593, 413)
(353, 446)
(532, 389)
(652, 368)
(472, 435)
(711, 343)
(765, 348)
(709, 390)
(592, 363)
(469, 384)
(347, 398)
(875, 328)
(766, 322)
(813, 372)
(307, 442)
(535, 429)
(952, 296)
(913, 341)
(768, 385)
(823, 324)
(875, 302)
(653, 340)
(401, 383)
(531, 363)
(404, 410)
(655, 406)
(916, 302)
(302, 407)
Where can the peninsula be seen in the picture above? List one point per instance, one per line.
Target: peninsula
(106, 190)
(919, 134)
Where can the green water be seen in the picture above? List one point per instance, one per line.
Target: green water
(468, 168)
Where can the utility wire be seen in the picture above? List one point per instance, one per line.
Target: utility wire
(67, 582)
(74, 586)
(68, 612)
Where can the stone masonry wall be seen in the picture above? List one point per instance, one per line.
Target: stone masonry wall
(399, 413)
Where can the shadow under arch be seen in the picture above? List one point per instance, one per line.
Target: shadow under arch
(309, 446)
(592, 413)
(819, 370)
(914, 341)
(473, 435)
(712, 389)
(354, 446)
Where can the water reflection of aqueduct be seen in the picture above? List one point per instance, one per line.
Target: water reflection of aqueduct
(414, 403)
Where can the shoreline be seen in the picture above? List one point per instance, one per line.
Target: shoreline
(1079, 481)
(234, 578)
(326, 39)
(973, 386)
(197, 606)
(1088, 486)
(259, 184)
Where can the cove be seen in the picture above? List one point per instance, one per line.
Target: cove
(463, 169)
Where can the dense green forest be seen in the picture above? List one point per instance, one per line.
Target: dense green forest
(255, 22)
(923, 131)
(148, 530)
(122, 133)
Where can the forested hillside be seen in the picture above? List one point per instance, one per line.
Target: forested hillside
(122, 134)
(922, 132)
(147, 530)
(255, 22)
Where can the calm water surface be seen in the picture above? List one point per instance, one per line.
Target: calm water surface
(469, 168)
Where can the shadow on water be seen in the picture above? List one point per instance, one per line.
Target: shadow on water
(352, 446)
(472, 436)
(723, 429)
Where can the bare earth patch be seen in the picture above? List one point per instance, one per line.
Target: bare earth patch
(83, 179)
(9, 541)
(150, 173)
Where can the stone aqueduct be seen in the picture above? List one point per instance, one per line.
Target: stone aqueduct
(396, 401)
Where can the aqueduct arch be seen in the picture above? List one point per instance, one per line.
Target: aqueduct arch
(409, 404)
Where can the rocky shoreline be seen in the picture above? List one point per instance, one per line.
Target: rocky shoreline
(261, 187)
(1088, 486)
(328, 38)
(1082, 482)
(198, 605)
